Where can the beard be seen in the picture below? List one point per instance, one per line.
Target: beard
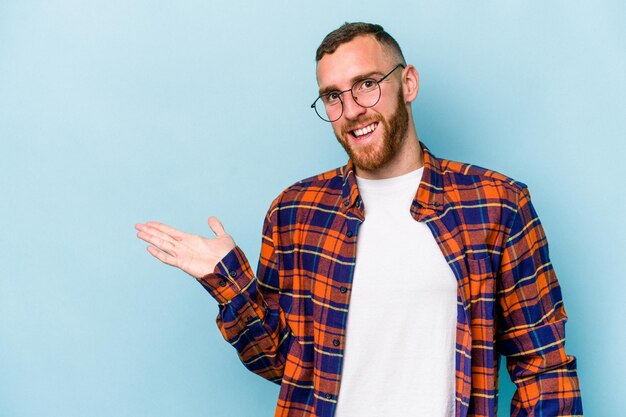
(376, 155)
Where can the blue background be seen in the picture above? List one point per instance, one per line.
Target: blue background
(117, 112)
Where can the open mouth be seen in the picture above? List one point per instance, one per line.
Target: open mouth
(364, 132)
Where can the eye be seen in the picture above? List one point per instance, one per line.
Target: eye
(369, 84)
(332, 97)
(366, 85)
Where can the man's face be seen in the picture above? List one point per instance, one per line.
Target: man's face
(372, 136)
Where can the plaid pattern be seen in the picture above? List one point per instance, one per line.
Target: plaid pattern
(289, 322)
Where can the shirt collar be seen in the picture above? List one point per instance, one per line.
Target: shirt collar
(429, 193)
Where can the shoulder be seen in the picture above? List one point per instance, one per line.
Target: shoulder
(463, 175)
(331, 179)
(468, 185)
(321, 189)
(481, 195)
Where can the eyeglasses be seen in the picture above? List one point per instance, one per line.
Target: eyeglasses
(366, 93)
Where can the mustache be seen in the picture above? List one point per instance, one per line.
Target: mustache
(347, 128)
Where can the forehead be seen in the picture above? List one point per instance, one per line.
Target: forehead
(362, 55)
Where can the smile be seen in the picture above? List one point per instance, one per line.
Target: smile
(364, 130)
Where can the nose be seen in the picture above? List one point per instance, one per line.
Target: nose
(351, 109)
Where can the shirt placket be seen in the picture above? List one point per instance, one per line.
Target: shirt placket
(449, 248)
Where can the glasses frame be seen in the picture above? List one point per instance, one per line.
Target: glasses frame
(340, 93)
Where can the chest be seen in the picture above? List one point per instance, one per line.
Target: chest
(395, 251)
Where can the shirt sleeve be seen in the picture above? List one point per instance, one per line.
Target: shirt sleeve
(531, 322)
(250, 317)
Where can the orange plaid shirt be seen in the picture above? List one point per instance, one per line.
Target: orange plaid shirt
(288, 323)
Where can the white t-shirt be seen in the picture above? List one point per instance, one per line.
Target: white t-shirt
(399, 357)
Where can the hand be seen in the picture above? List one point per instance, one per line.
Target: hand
(193, 254)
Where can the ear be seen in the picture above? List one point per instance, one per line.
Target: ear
(410, 83)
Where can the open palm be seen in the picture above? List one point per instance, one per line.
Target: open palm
(196, 255)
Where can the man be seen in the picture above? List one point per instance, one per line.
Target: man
(392, 285)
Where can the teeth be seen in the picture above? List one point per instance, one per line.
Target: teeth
(365, 130)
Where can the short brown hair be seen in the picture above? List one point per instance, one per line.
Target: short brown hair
(348, 31)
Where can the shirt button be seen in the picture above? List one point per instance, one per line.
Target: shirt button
(222, 283)
(436, 204)
(346, 202)
(328, 396)
(336, 342)
(358, 203)
(349, 234)
(343, 290)
(232, 273)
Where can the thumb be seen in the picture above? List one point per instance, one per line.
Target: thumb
(216, 226)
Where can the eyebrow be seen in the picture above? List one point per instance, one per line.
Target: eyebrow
(330, 88)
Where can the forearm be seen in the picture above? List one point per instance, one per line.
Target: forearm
(531, 322)
(545, 376)
(249, 318)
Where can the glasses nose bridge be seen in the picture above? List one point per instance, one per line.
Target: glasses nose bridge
(342, 95)
(354, 94)
(349, 107)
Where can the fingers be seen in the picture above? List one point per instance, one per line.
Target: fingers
(164, 244)
(163, 228)
(216, 226)
(162, 256)
(154, 236)
(156, 232)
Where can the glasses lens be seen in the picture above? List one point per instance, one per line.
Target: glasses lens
(328, 111)
(366, 92)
